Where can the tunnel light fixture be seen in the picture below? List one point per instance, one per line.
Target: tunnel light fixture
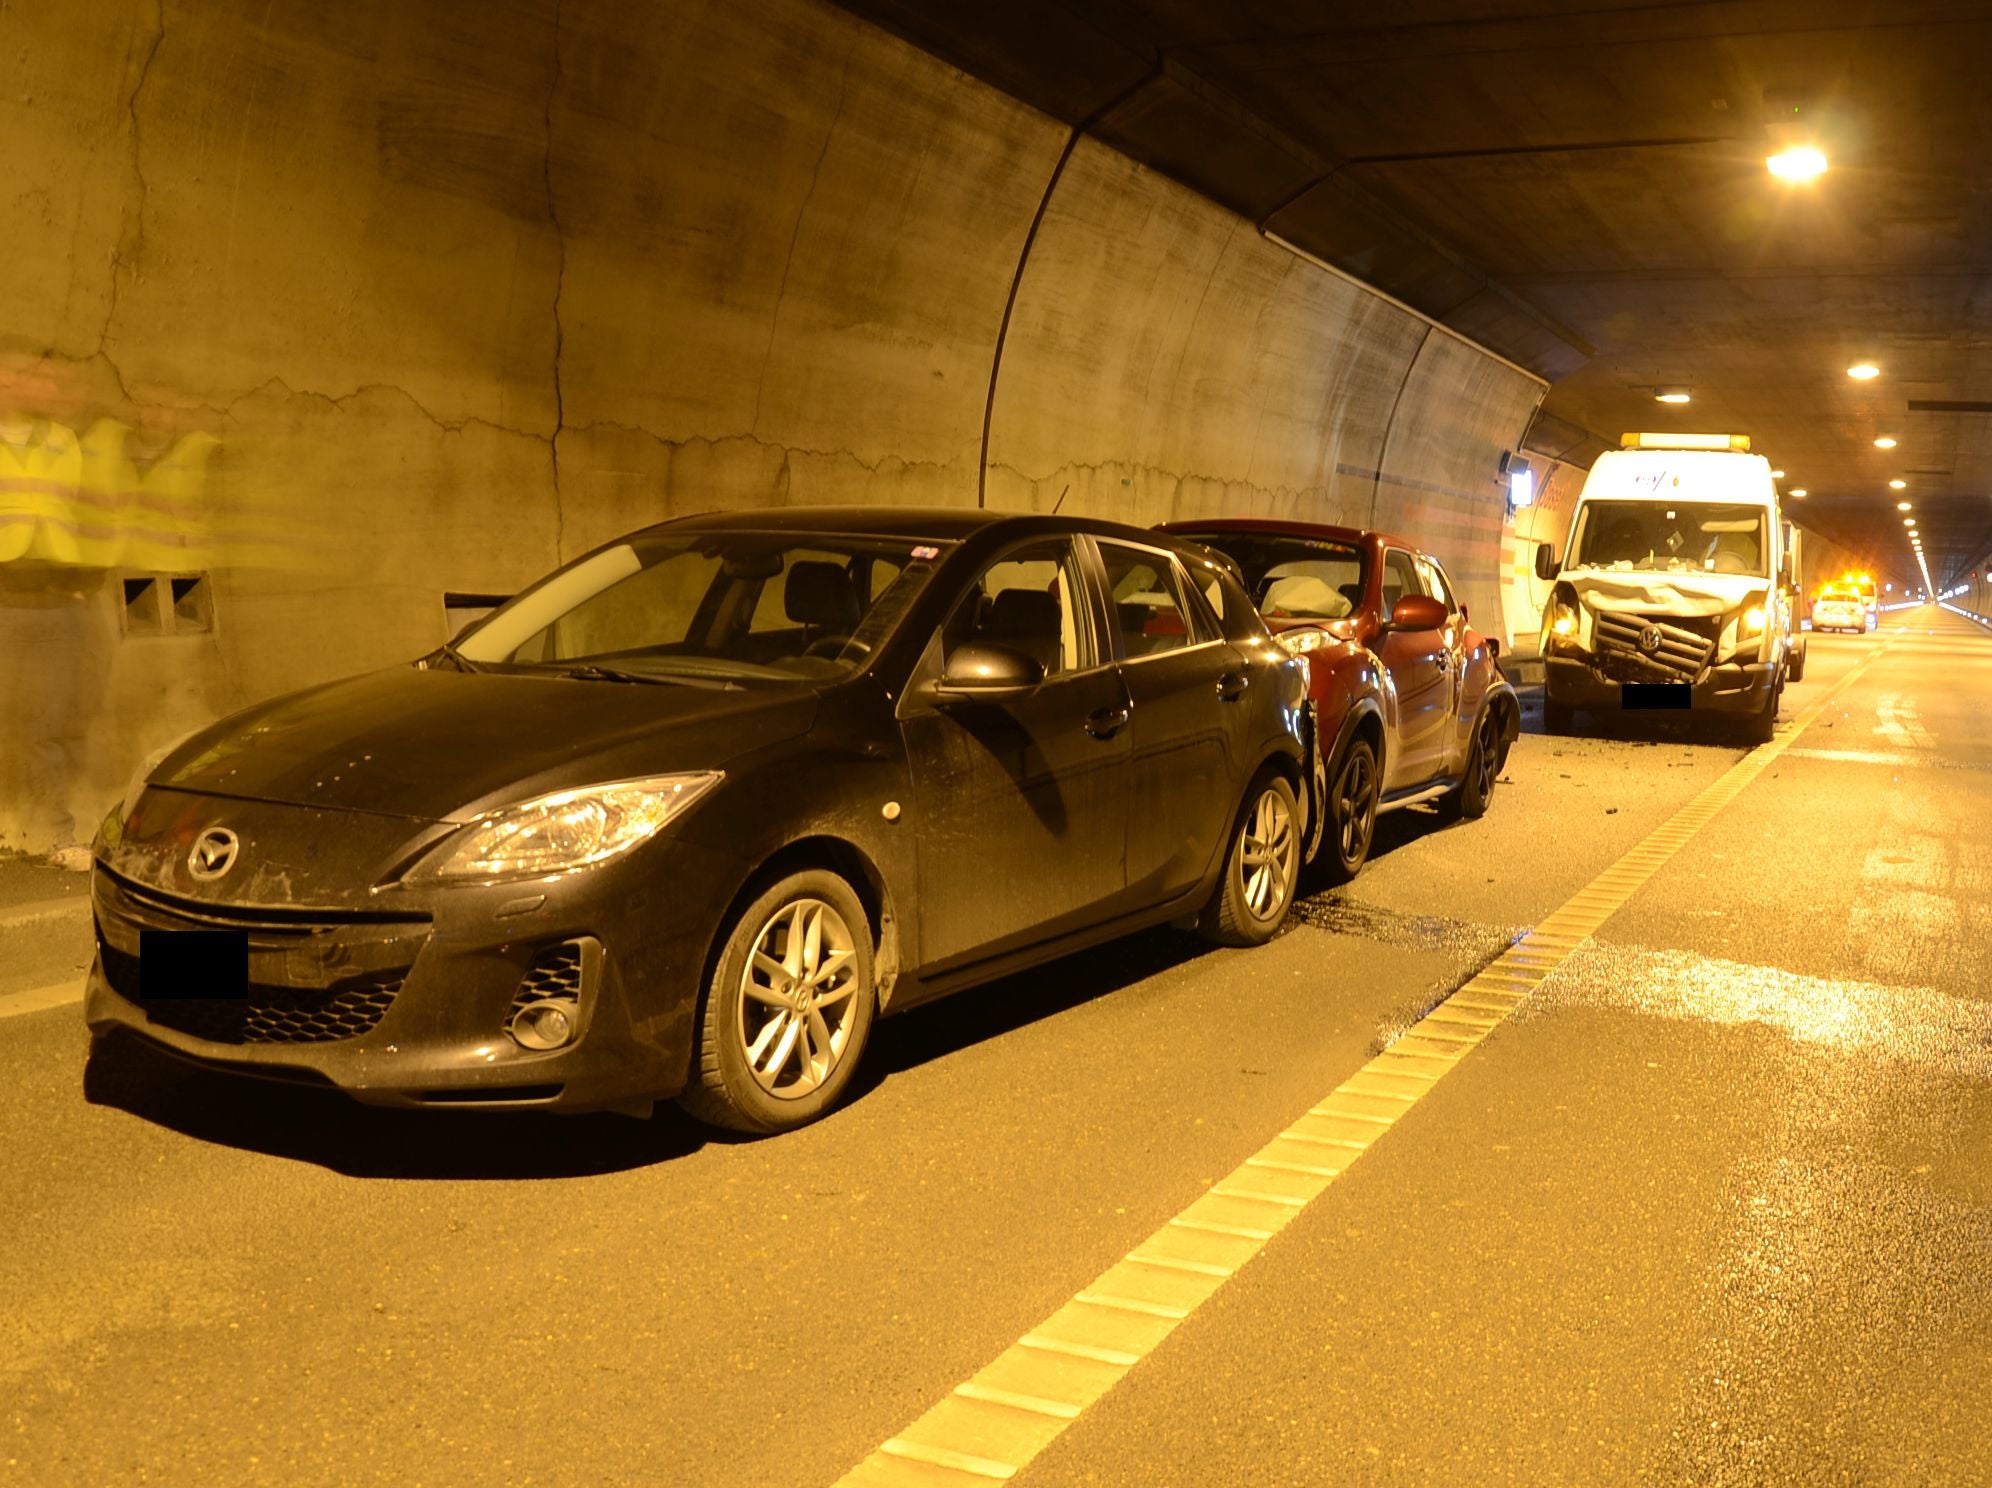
(1863, 371)
(1898, 485)
(1905, 506)
(1800, 492)
(1908, 521)
(1884, 443)
(1673, 395)
(1777, 475)
(1798, 164)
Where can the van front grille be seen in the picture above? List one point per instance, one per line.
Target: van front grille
(1642, 648)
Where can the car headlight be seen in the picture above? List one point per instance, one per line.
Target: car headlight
(128, 802)
(1300, 642)
(565, 830)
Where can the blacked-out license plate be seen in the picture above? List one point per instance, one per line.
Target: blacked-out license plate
(175, 964)
(1656, 695)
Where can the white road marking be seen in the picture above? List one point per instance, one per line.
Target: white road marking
(1119, 1318)
(40, 999)
(77, 906)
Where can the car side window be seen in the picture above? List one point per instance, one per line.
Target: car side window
(1151, 610)
(1400, 577)
(1435, 583)
(1029, 600)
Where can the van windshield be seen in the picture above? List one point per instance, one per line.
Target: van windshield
(1671, 537)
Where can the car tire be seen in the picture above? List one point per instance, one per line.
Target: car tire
(1470, 798)
(786, 1016)
(1261, 866)
(1349, 811)
(1795, 668)
(1760, 726)
(1557, 718)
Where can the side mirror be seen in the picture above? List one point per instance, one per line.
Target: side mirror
(1418, 612)
(1546, 565)
(977, 671)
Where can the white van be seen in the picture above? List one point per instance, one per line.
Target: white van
(1676, 589)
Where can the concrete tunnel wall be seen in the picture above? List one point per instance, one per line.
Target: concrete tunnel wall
(459, 291)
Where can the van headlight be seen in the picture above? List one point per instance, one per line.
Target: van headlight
(1750, 623)
(1560, 619)
(565, 830)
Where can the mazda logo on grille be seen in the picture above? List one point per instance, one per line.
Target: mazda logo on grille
(214, 853)
(1649, 639)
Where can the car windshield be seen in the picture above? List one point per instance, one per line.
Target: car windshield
(714, 608)
(1672, 537)
(1298, 578)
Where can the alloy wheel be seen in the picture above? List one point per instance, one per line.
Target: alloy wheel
(1483, 758)
(797, 1002)
(1355, 805)
(1266, 855)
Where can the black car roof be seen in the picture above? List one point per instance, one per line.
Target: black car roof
(932, 523)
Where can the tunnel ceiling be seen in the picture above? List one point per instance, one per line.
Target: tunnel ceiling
(1583, 189)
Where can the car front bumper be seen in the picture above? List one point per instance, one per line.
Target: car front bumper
(1732, 688)
(409, 1005)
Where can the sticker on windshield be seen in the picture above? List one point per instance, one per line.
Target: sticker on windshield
(924, 552)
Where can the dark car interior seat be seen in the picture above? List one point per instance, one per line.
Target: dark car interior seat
(821, 598)
(1025, 620)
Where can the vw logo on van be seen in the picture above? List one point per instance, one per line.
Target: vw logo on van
(214, 854)
(1649, 639)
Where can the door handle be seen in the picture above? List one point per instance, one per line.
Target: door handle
(1104, 723)
(1231, 686)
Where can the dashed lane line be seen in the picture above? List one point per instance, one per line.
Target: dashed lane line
(988, 1427)
(40, 999)
(21, 915)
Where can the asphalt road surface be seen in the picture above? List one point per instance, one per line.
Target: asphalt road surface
(1712, 1204)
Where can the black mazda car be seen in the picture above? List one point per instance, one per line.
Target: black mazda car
(684, 817)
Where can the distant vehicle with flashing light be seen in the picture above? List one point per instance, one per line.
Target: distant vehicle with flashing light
(1675, 591)
(1839, 609)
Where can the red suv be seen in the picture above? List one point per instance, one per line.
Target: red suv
(1408, 699)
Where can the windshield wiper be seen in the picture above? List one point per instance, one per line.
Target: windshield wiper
(589, 671)
(456, 658)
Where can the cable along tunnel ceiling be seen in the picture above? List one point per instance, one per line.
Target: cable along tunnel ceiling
(1583, 189)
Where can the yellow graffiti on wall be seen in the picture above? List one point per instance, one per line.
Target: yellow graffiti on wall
(89, 500)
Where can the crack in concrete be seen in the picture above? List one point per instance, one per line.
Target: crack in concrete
(875, 467)
(795, 236)
(131, 238)
(559, 289)
(340, 400)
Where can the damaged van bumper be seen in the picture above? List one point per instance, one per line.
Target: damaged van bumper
(1733, 687)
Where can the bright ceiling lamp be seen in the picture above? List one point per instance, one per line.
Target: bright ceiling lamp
(1799, 492)
(1884, 443)
(1908, 521)
(1904, 506)
(1800, 163)
(1673, 395)
(1898, 485)
(1777, 475)
(1863, 371)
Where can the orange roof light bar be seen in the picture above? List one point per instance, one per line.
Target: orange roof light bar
(1685, 441)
